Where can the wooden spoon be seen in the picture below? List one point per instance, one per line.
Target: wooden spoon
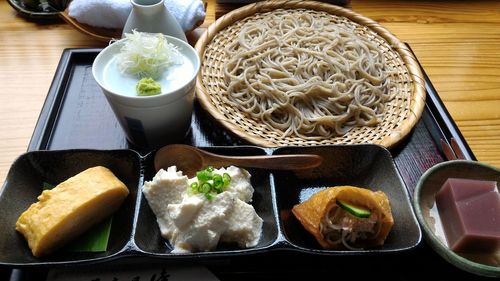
(189, 160)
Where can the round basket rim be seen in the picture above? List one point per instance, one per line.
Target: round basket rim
(418, 94)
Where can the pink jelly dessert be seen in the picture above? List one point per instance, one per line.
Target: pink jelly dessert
(470, 214)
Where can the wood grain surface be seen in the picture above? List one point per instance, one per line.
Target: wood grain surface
(457, 43)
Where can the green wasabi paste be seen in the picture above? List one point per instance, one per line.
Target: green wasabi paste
(148, 87)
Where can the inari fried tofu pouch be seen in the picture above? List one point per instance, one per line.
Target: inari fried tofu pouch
(71, 208)
(346, 217)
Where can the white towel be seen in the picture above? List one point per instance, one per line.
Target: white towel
(114, 13)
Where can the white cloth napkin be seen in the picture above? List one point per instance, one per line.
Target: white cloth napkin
(114, 13)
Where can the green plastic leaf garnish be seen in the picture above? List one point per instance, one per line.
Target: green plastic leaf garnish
(95, 239)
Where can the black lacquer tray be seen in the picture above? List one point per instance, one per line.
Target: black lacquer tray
(76, 116)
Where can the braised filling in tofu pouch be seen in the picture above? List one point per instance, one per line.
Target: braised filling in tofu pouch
(346, 217)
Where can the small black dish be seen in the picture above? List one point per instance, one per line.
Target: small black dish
(367, 166)
(36, 9)
(25, 182)
(147, 235)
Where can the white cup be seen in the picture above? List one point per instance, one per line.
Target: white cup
(149, 121)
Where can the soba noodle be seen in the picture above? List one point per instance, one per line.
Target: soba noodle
(306, 75)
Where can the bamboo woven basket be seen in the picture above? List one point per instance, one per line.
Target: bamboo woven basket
(401, 114)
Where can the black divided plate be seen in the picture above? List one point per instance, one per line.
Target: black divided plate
(134, 229)
(76, 116)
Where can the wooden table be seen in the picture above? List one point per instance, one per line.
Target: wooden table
(457, 42)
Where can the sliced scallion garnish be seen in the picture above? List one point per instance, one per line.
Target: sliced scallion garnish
(226, 179)
(209, 183)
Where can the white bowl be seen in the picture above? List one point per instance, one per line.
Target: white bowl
(150, 121)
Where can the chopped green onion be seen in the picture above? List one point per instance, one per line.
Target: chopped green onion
(204, 175)
(205, 187)
(226, 178)
(218, 183)
(209, 183)
(217, 178)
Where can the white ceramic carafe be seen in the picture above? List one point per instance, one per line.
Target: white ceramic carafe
(152, 16)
